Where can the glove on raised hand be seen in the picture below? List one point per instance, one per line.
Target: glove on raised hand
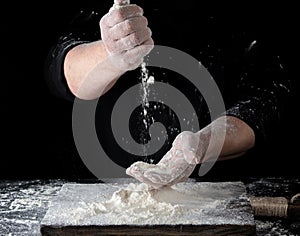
(126, 35)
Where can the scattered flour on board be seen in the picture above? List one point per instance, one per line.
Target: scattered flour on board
(138, 204)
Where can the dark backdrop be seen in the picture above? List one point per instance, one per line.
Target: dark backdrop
(36, 134)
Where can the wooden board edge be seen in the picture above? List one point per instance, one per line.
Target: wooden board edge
(168, 230)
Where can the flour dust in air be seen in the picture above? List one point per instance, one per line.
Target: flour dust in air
(146, 80)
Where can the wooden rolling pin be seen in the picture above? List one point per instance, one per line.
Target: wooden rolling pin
(276, 206)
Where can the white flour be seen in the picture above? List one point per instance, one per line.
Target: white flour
(135, 204)
(187, 203)
(146, 80)
(138, 204)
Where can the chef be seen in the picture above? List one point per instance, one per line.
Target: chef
(100, 54)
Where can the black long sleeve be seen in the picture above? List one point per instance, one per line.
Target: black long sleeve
(245, 63)
(82, 28)
(263, 91)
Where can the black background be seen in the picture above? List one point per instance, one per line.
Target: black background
(36, 131)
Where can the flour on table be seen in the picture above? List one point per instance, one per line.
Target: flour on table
(140, 204)
(134, 203)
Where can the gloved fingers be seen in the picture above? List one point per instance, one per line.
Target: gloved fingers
(182, 178)
(170, 170)
(129, 42)
(145, 180)
(128, 27)
(165, 172)
(191, 156)
(124, 35)
(168, 177)
(156, 176)
(160, 175)
(137, 170)
(182, 169)
(120, 14)
(173, 159)
(134, 57)
(131, 59)
(160, 179)
(121, 2)
(173, 169)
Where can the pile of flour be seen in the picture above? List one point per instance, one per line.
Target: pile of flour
(134, 203)
(137, 203)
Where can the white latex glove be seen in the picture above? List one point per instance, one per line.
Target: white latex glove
(176, 166)
(126, 35)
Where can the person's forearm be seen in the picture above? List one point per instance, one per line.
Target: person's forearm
(239, 138)
(88, 70)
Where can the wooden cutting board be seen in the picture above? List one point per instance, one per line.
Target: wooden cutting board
(190, 208)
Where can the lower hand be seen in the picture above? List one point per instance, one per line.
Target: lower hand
(176, 166)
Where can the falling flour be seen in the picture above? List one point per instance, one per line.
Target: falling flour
(146, 80)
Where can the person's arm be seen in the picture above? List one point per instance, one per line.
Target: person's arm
(86, 64)
(92, 68)
(190, 149)
(88, 71)
(239, 138)
(261, 94)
